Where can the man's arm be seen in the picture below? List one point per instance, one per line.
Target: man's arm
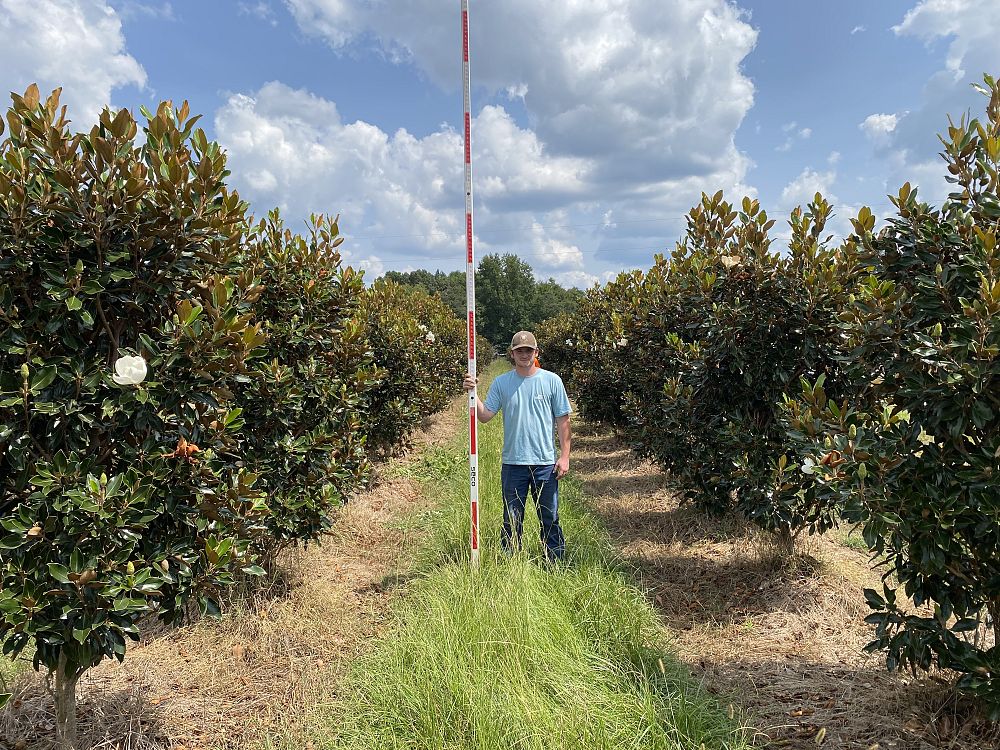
(565, 438)
(482, 413)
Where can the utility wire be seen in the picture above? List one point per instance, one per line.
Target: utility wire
(395, 260)
(533, 227)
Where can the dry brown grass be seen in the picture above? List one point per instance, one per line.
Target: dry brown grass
(781, 639)
(250, 680)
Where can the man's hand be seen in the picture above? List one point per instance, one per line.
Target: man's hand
(562, 467)
(470, 382)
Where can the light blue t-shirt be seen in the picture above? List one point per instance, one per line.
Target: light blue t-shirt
(530, 406)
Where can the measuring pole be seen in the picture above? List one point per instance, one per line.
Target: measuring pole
(470, 289)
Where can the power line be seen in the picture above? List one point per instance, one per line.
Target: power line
(396, 260)
(458, 232)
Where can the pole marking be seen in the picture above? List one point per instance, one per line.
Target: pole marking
(470, 291)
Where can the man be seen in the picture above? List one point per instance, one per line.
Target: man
(533, 401)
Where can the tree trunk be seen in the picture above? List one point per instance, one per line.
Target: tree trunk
(64, 695)
(786, 543)
(993, 607)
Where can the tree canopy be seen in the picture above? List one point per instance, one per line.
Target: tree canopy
(508, 297)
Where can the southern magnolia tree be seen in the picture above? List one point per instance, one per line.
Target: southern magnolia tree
(121, 341)
(914, 453)
(692, 359)
(419, 347)
(304, 405)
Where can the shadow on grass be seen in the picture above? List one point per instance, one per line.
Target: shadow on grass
(697, 568)
(645, 485)
(391, 583)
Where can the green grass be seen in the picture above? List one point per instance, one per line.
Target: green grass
(9, 669)
(517, 654)
(849, 535)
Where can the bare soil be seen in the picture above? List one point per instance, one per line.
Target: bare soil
(782, 640)
(252, 679)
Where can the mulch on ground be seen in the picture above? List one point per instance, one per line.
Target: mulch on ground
(781, 640)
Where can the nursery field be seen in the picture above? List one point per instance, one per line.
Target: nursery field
(666, 629)
(384, 637)
(234, 489)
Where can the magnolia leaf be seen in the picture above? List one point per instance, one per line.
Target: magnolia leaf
(42, 379)
(59, 572)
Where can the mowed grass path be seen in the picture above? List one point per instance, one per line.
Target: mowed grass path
(517, 654)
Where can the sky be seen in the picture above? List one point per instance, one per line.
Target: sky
(597, 124)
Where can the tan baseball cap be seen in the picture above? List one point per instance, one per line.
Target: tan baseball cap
(523, 338)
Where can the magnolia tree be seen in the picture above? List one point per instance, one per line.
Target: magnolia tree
(598, 346)
(304, 404)
(691, 360)
(914, 452)
(419, 347)
(122, 338)
(558, 346)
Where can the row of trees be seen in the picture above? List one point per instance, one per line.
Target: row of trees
(184, 391)
(857, 380)
(508, 298)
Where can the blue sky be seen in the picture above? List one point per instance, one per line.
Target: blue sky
(597, 122)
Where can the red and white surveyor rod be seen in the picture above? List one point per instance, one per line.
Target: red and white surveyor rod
(470, 290)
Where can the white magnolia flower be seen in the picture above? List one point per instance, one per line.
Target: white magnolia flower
(808, 466)
(129, 370)
(730, 260)
(429, 338)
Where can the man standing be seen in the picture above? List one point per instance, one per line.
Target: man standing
(534, 403)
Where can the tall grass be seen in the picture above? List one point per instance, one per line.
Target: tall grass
(518, 654)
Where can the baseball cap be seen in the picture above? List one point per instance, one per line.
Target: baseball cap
(523, 338)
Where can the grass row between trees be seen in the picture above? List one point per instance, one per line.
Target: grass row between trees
(517, 654)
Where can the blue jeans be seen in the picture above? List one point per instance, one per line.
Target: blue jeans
(516, 482)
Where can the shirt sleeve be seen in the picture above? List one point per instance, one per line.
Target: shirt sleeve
(559, 400)
(494, 400)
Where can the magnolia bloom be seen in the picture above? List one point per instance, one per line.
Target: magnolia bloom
(429, 338)
(808, 466)
(129, 370)
(730, 260)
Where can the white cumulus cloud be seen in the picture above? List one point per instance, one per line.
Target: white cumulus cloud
(878, 127)
(643, 87)
(75, 44)
(809, 182)
(970, 28)
(794, 133)
(631, 107)
(399, 195)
